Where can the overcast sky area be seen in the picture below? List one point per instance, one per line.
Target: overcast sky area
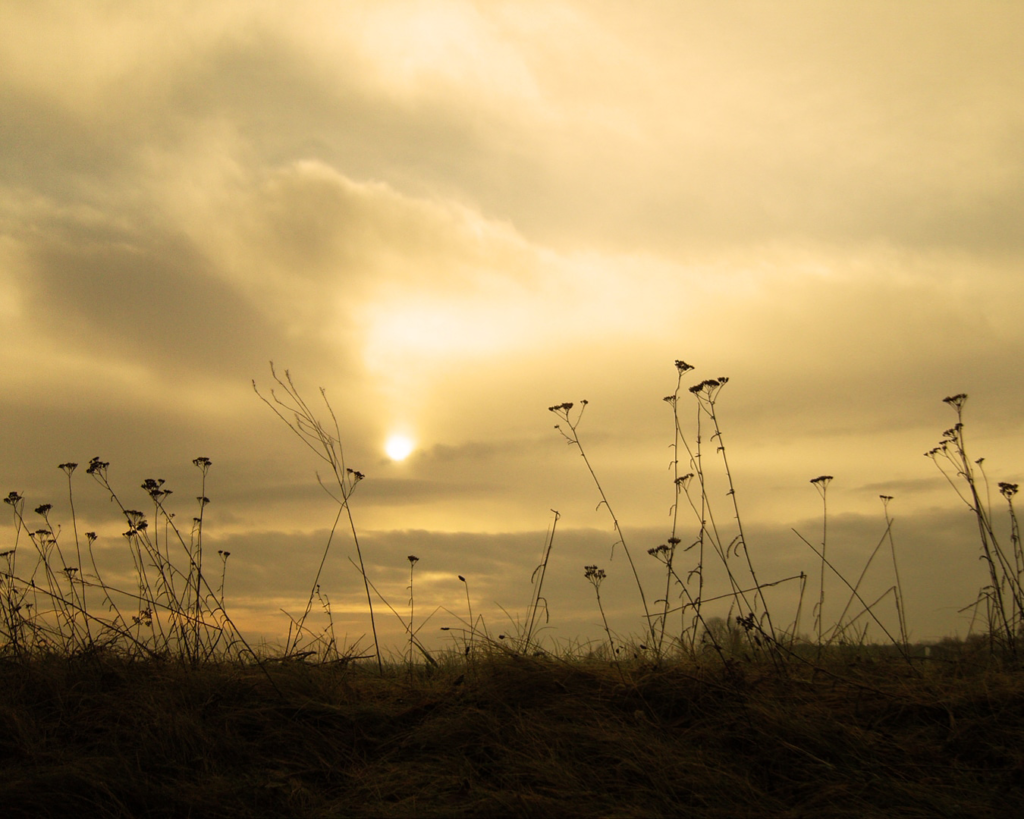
(453, 215)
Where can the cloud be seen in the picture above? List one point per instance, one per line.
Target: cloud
(278, 566)
(668, 129)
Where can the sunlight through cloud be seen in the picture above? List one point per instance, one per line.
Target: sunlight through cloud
(399, 447)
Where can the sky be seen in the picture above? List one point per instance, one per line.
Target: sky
(452, 216)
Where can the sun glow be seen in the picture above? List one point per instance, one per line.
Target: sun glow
(398, 447)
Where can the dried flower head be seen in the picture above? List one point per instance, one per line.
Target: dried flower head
(709, 386)
(96, 466)
(134, 517)
(152, 487)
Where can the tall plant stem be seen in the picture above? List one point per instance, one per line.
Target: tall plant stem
(799, 610)
(538, 583)
(472, 622)
(562, 410)
(68, 469)
(709, 404)
(900, 606)
(992, 554)
(1008, 490)
(596, 577)
(706, 514)
(855, 593)
(840, 628)
(821, 484)
(197, 558)
(412, 610)
(329, 449)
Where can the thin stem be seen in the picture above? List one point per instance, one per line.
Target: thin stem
(562, 410)
(821, 484)
(412, 565)
(538, 582)
(329, 449)
(472, 622)
(596, 576)
(900, 606)
(894, 641)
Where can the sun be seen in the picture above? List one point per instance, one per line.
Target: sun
(398, 447)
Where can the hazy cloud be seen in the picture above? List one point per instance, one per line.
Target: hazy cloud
(454, 215)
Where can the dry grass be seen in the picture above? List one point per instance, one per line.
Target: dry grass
(507, 735)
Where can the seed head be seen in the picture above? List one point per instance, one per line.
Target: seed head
(134, 516)
(152, 488)
(97, 466)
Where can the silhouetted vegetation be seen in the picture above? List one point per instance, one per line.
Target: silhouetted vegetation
(144, 699)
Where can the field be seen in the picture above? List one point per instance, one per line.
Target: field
(502, 734)
(145, 699)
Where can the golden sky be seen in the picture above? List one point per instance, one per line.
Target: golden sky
(453, 215)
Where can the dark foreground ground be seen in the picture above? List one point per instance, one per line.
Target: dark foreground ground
(509, 736)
